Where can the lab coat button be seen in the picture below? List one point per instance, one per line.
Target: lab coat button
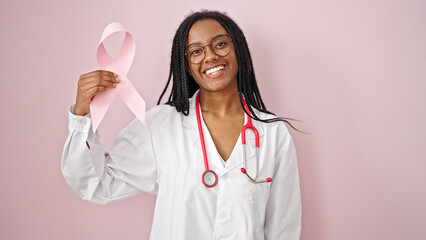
(83, 121)
(222, 215)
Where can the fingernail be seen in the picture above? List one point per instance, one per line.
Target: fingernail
(115, 75)
(113, 84)
(117, 79)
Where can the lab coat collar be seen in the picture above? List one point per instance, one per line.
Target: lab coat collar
(190, 122)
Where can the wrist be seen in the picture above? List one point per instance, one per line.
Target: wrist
(81, 112)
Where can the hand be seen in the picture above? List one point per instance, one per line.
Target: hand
(91, 84)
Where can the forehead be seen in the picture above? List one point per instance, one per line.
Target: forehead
(204, 30)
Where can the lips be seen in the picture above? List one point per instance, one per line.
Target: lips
(215, 71)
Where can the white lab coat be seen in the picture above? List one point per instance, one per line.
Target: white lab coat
(164, 158)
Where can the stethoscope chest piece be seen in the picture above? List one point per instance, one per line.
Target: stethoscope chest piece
(209, 178)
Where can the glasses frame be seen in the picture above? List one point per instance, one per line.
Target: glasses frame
(204, 51)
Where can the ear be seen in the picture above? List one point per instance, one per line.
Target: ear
(188, 68)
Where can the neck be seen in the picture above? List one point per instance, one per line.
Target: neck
(220, 103)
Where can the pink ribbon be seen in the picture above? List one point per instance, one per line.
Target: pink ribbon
(120, 66)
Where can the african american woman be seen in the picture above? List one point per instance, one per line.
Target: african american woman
(220, 164)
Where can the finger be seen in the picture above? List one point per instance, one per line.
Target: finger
(111, 78)
(89, 80)
(93, 91)
(97, 73)
(98, 83)
(101, 89)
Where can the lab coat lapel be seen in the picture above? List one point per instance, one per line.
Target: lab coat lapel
(236, 158)
(190, 122)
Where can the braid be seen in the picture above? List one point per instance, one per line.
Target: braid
(184, 84)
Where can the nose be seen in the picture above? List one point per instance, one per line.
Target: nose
(210, 55)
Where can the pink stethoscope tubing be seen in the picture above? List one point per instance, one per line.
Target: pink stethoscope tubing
(249, 125)
(207, 173)
(210, 175)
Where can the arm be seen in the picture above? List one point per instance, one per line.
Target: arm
(284, 208)
(126, 169)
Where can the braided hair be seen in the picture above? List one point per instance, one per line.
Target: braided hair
(184, 85)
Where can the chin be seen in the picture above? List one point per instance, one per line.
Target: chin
(219, 86)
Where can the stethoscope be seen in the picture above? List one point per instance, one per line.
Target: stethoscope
(209, 177)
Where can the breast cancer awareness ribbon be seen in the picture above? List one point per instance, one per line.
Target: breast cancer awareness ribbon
(120, 66)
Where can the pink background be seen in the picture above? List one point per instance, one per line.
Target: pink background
(352, 71)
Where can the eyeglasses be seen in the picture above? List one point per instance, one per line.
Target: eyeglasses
(221, 47)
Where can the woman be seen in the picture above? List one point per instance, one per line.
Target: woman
(189, 153)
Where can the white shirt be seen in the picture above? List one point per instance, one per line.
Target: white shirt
(164, 158)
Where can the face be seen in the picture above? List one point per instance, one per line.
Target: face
(214, 73)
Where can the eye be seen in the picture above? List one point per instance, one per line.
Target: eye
(195, 52)
(221, 44)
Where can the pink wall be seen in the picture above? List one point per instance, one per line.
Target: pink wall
(353, 71)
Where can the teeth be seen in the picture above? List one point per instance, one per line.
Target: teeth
(214, 70)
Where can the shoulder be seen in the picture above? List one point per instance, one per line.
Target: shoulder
(159, 111)
(276, 126)
(276, 130)
(162, 113)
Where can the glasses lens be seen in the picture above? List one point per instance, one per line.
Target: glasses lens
(222, 47)
(195, 54)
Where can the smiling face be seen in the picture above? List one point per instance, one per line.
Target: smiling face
(214, 73)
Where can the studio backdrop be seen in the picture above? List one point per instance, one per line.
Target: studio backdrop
(353, 73)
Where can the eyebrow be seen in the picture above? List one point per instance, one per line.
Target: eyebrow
(218, 36)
